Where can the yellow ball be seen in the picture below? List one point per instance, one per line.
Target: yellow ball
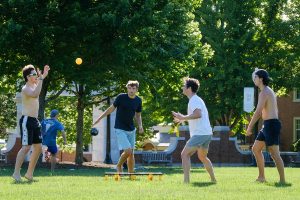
(78, 61)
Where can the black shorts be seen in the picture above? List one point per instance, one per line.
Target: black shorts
(30, 131)
(270, 132)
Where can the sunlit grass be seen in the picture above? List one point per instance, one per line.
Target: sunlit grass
(233, 183)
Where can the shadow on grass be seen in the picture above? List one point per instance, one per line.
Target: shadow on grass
(203, 184)
(172, 170)
(42, 172)
(73, 170)
(279, 185)
(23, 182)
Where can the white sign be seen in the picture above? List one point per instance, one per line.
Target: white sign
(248, 99)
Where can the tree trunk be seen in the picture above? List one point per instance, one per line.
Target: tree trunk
(42, 99)
(79, 126)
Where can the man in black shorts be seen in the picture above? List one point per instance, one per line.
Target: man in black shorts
(270, 134)
(29, 124)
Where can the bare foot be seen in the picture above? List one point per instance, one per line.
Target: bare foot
(213, 180)
(261, 180)
(119, 169)
(282, 182)
(29, 178)
(186, 181)
(17, 177)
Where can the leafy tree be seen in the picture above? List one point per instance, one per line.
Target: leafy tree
(153, 42)
(7, 106)
(244, 35)
(277, 42)
(228, 27)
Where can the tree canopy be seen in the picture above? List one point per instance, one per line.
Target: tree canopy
(154, 42)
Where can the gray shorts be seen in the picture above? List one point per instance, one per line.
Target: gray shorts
(199, 141)
(126, 139)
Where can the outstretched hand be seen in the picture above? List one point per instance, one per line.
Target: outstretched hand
(249, 131)
(141, 129)
(46, 71)
(94, 125)
(178, 117)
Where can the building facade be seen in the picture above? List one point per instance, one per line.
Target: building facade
(289, 115)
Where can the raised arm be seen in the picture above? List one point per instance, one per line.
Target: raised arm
(33, 92)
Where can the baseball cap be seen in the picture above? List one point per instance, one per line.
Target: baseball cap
(54, 113)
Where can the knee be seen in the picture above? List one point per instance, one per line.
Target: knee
(26, 149)
(273, 154)
(128, 152)
(255, 150)
(184, 155)
(202, 158)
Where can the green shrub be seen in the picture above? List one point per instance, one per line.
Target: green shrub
(296, 145)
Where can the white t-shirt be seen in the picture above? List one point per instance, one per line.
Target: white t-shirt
(200, 126)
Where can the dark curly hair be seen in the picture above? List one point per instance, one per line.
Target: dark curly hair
(27, 70)
(192, 83)
(261, 73)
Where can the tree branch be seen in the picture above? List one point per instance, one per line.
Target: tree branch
(100, 101)
(96, 102)
(236, 120)
(57, 94)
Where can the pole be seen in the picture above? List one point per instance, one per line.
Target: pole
(255, 103)
(256, 124)
(108, 157)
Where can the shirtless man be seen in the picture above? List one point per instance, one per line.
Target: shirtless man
(269, 135)
(29, 124)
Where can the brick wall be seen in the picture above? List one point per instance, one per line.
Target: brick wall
(62, 156)
(12, 154)
(287, 111)
(220, 151)
(70, 156)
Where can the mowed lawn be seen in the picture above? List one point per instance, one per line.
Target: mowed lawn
(233, 183)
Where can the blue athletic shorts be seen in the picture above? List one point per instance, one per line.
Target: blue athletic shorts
(126, 139)
(52, 149)
(270, 132)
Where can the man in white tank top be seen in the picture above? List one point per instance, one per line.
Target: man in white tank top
(200, 129)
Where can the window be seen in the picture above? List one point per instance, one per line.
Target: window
(296, 95)
(296, 128)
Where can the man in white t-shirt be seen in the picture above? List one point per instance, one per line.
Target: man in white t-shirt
(200, 129)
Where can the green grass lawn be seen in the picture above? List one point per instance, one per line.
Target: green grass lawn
(233, 183)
